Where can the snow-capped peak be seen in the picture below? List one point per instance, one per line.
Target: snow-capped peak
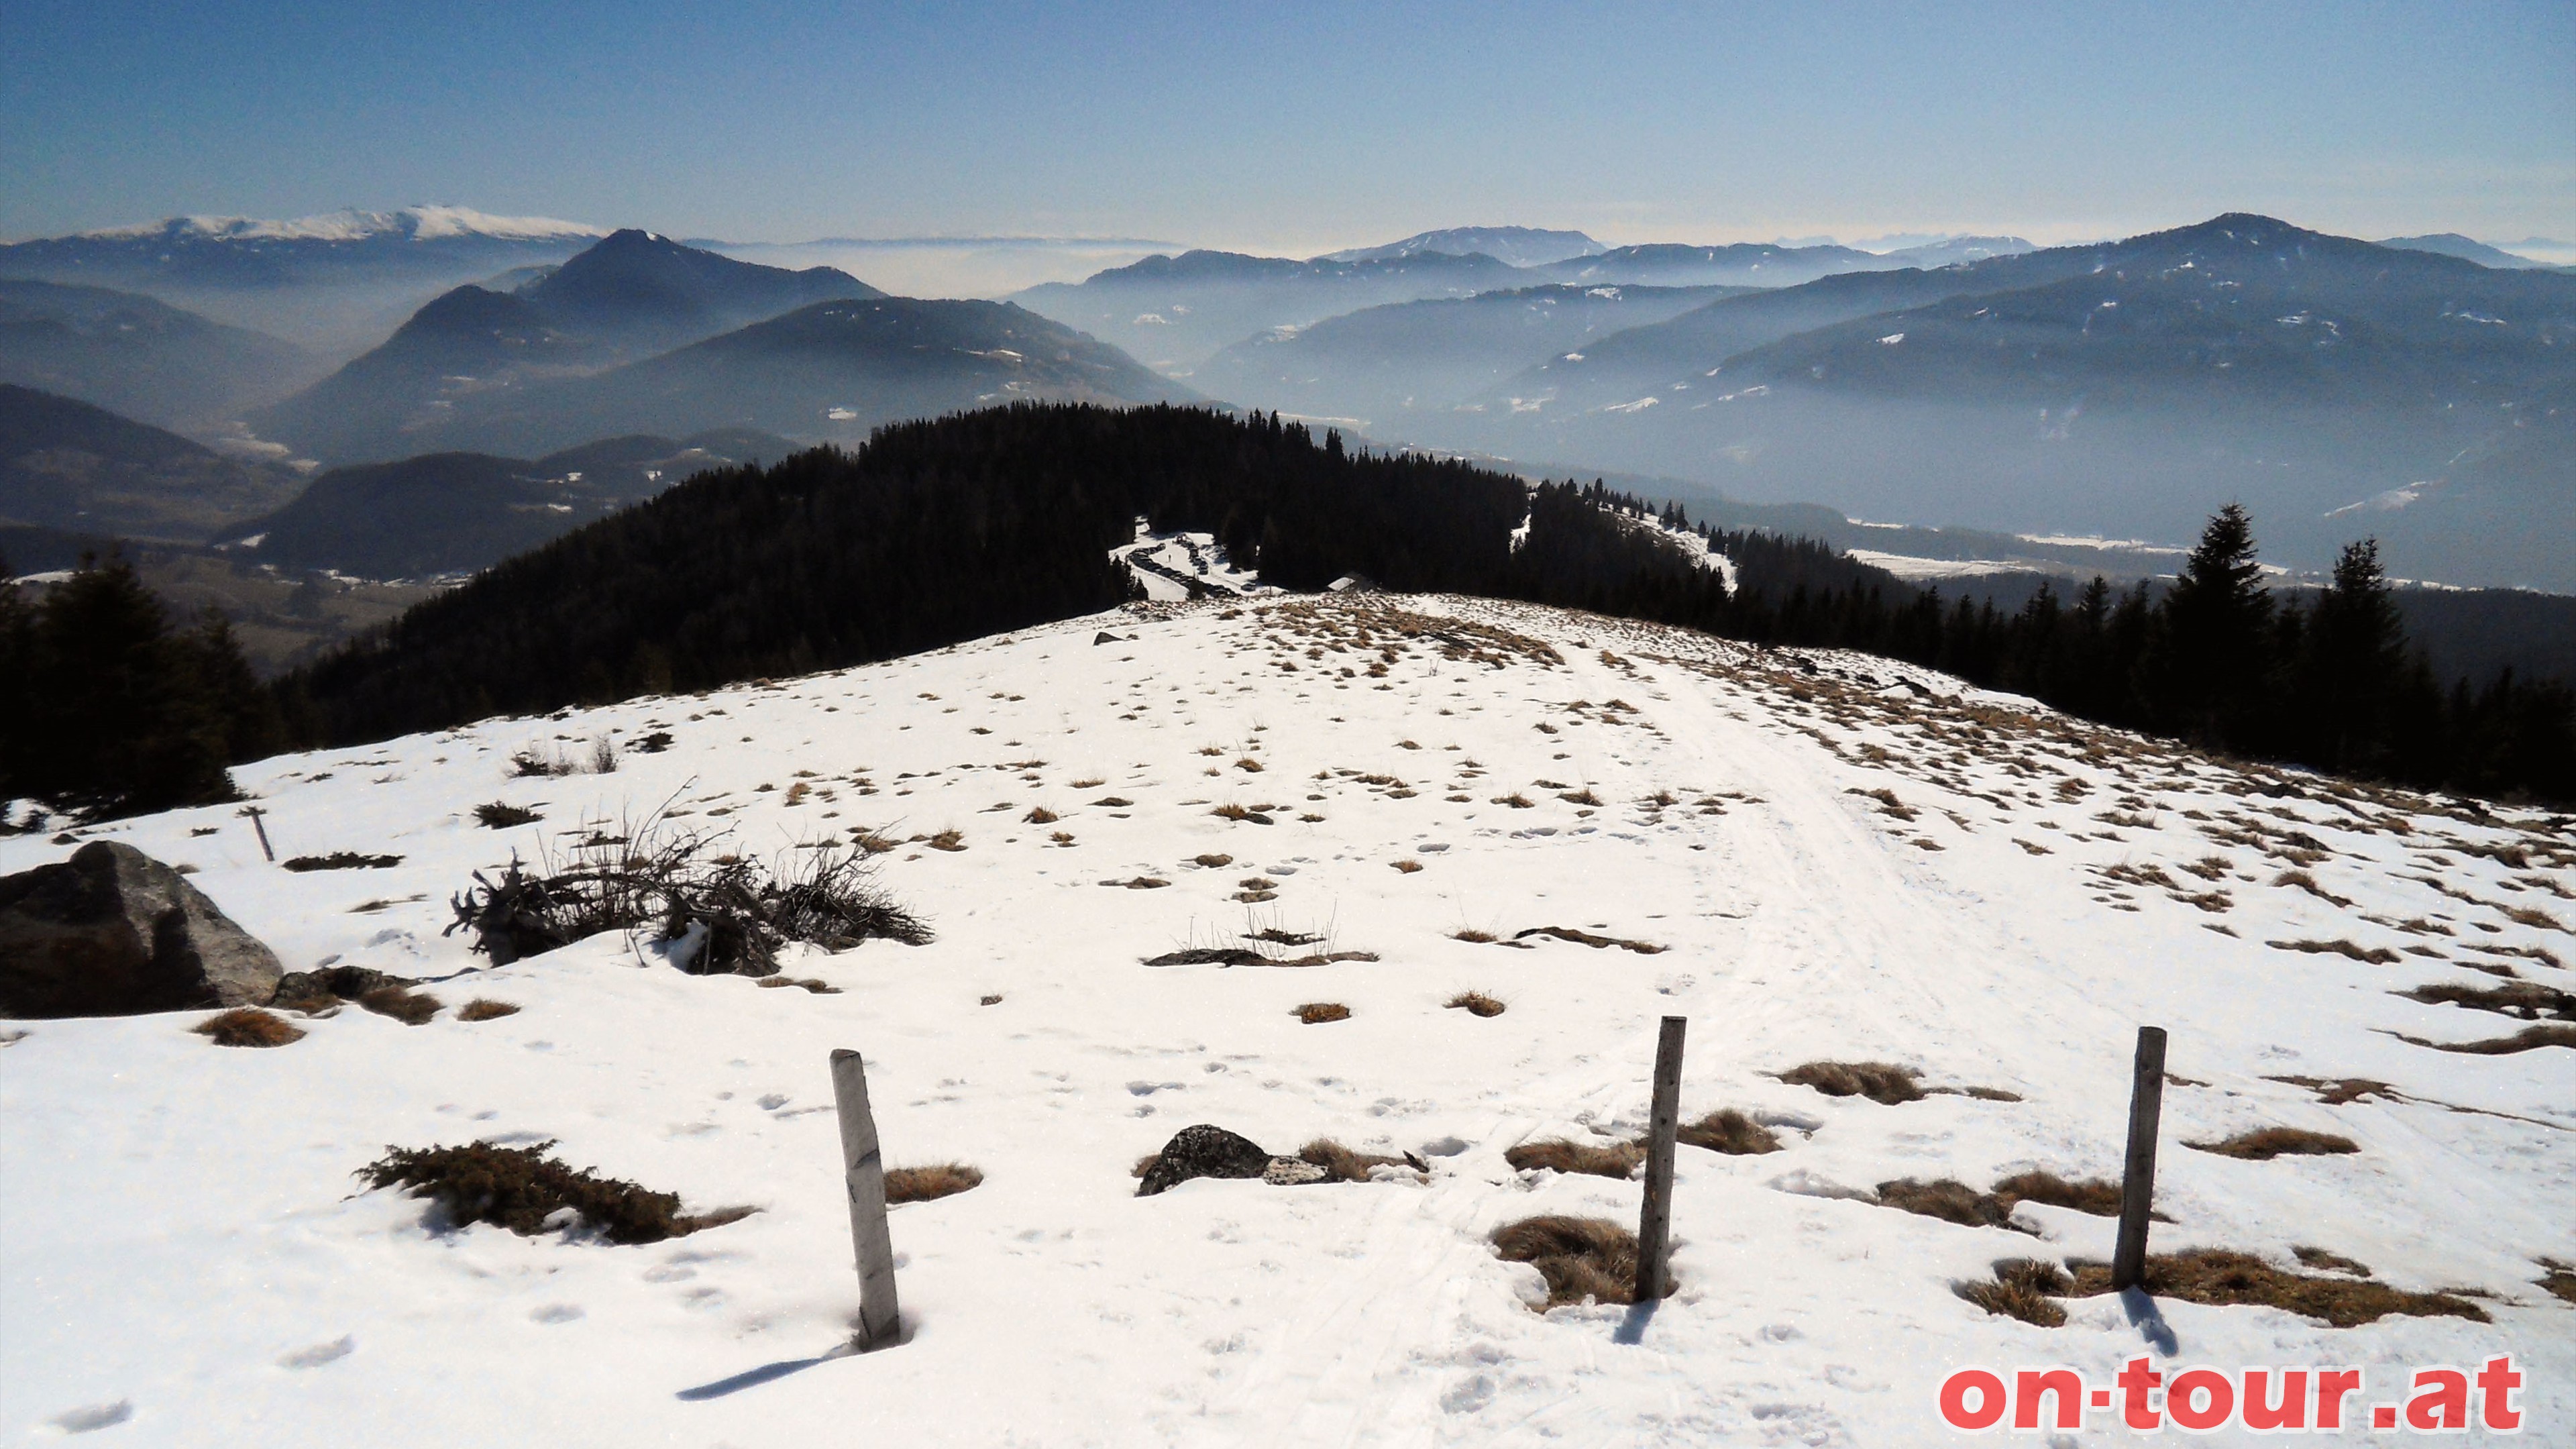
(415, 223)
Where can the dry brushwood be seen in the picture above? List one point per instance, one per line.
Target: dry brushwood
(521, 1188)
(719, 914)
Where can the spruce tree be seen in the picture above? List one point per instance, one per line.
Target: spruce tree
(2211, 677)
(2354, 662)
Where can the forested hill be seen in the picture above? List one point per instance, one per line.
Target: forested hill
(931, 533)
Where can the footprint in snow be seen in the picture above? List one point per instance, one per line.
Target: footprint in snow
(557, 1312)
(94, 1416)
(773, 1101)
(319, 1354)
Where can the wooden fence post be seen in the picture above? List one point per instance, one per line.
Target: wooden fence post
(863, 1174)
(254, 812)
(1654, 1224)
(2138, 1174)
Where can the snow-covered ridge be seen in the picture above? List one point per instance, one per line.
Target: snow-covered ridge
(415, 223)
(1841, 859)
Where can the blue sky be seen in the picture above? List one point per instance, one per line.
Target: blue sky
(1300, 127)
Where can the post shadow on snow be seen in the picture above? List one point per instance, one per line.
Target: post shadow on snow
(1632, 1329)
(753, 1378)
(2149, 1320)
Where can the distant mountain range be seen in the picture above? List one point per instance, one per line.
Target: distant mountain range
(1377, 366)
(2124, 388)
(580, 353)
(69, 467)
(450, 513)
(1518, 246)
(2452, 244)
(333, 283)
(141, 357)
(630, 295)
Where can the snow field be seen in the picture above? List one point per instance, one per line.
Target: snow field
(182, 1254)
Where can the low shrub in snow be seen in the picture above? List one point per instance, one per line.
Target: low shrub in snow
(248, 1026)
(523, 1189)
(484, 1008)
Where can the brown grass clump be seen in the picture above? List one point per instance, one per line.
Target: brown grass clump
(2527, 999)
(2301, 880)
(2375, 955)
(484, 1008)
(1516, 800)
(1729, 1131)
(2332, 1262)
(519, 1188)
(1879, 1081)
(1316, 1013)
(1583, 796)
(2219, 1278)
(248, 1026)
(2023, 1288)
(2522, 1041)
(948, 840)
(1213, 862)
(1407, 867)
(1581, 1258)
(501, 815)
(1343, 1164)
(1248, 765)
(1472, 936)
(1951, 1201)
(814, 984)
(1475, 1003)
(1040, 815)
(923, 1184)
(1089, 784)
(2264, 1144)
(2558, 1279)
(411, 1008)
(2094, 1195)
(990, 998)
(2532, 917)
(341, 860)
(1559, 1155)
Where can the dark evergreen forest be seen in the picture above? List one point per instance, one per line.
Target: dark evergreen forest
(940, 531)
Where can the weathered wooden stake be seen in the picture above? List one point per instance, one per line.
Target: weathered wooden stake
(2138, 1176)
(254, 812)
(863, 1173)
(1654, 1225)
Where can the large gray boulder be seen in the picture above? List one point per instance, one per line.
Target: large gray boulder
(113, 932)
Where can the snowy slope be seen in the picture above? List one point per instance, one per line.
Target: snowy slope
(182, 1254)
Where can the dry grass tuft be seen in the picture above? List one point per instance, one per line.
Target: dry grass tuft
(501, 815)
(1213, 862)
(1516, 800)
(924, 1184)
(2527, 999)
(990, 998)
(2264, 1144)
(1581, 1258)
(2023, 1288)
(1583, 796)
(1879, 1081)
(2558, 1278)
(2219, 1278)
(1408, 867)
(1472, 936)
(814, 984)
(520, 1188)
(1559, 1155)
(1089, 784)
(484, 1008)
(248, 1026)
(2331, 1262)
(1475, 1003)
(2093, 1195)
(1951, 1201)
(1343, 1164)
(948, 840)
(1041, 815)
(2522, 1041)
(2374, 955)
(1730, 1131)
(1316, 1013)
(411, 1008)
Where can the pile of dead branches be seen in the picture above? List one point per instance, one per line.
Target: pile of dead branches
(710, 913)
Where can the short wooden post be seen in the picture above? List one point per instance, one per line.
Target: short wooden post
(2138, 1175)
(1654, 1224)
(863, 1174)
(254, 812)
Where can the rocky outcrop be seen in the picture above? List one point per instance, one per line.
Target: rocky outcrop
(113, 932)
(1208, 1151)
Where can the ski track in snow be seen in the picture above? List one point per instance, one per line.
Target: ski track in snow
(180, 1239)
